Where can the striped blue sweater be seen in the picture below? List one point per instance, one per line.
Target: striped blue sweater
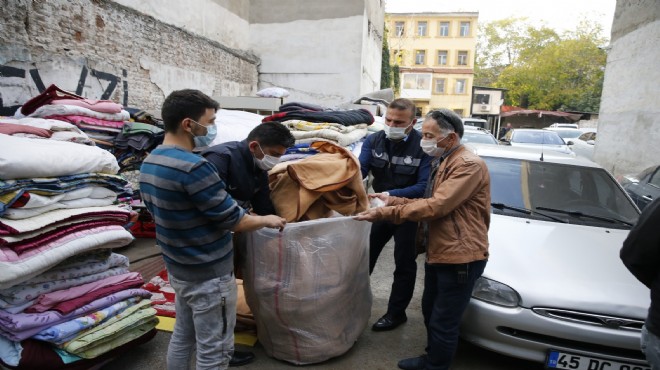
(192, 211)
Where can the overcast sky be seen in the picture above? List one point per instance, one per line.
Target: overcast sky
(560, 15)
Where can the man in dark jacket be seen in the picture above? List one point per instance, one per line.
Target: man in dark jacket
(400, 168)
(243, 165)
(641, 255)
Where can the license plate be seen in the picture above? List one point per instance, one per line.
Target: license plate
(563, 360)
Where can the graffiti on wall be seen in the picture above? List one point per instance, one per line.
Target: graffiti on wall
(19, 83)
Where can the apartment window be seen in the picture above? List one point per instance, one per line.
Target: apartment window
(465, 29)
(481, 98)
(399, 28)
(439, 86)
(420, 57)
(460, 86)
(417, 81)
(442, 57)
(421, 28)
(462, 58)
(443, 29)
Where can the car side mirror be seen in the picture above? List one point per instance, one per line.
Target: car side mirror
(570, 142)
(591, 142)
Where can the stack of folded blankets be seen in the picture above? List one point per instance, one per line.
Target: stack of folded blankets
(131, 147)
(66, 301)
(309, 123)
(101, 120)
(41, 128)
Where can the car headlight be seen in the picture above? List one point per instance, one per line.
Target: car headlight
(495, 292)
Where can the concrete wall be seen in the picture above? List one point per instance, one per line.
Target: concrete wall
(325, 52)
(629, 122)
(223, 21)
(101, 49)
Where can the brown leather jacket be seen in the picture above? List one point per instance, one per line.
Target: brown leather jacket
(458, 213)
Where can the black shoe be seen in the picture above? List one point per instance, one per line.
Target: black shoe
(389, 322)
(241, 358)
(413, 363)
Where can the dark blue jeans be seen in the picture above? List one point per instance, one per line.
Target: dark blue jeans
(445, 298)
(405, 254)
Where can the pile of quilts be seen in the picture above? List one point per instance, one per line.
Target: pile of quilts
(309, 123)
(41, 128)
(66, 301)
(101, 120)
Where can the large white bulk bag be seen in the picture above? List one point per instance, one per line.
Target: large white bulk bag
(308, 287)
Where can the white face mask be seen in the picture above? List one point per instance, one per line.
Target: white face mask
(430, 147)
(267, 162)
(396, 133)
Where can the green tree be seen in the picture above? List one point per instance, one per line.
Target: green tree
(541, 69)
(396, 79)
(385, 67)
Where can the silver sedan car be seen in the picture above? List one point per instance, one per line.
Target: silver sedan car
(534, 138)
(554, 289)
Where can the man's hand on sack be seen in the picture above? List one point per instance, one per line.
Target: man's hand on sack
(370, 215)
(274, 222)
(379, 199)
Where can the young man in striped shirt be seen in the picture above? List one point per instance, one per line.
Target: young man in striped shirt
(194, 218)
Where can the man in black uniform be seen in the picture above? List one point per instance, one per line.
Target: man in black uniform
(400, 168)
(243, 166)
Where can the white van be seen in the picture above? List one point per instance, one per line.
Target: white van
(477, 122)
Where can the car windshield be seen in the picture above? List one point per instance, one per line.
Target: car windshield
(577, 194)
(537, 137)
(568, 133)
(477, 137)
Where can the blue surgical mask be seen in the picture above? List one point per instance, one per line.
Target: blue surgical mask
(206, 140)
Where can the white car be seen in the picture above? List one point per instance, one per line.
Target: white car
(564, 125)
(568, 133)
(583, 145)
(554, 289)
(473, 134)
(535, 138)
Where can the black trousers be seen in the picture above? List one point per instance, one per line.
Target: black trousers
(444, 301)
(405, 254)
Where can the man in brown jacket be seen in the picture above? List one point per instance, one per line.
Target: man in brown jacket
(453, 230)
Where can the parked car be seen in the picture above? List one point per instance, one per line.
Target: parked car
(568, 133)
(565, 125)
(554, 289)
(535, 138)
(418, 124)
(473, 134)
(643, 187)
(476, 122)
(584, 144)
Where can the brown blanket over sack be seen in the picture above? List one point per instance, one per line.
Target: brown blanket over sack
(314, 187)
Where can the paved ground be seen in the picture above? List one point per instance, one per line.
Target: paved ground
(372, 351)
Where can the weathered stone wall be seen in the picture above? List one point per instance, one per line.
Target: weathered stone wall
(629, 120)
(101, 49)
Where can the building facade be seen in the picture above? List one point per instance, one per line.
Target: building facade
(435, 53)
(136, 52)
